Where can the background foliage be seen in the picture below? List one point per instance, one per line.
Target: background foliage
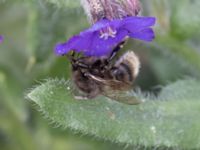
(169, 119)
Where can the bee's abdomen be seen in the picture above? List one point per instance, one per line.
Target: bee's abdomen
(127, 67)
(122, 73)
(86, 85)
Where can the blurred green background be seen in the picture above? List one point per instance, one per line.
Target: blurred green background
(32, 27)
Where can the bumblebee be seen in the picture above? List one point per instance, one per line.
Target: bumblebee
(95, 76)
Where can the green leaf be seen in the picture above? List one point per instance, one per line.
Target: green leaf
(170, 120)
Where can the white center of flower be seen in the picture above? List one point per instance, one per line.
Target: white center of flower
(107, 32)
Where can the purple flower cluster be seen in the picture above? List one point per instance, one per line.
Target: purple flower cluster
(1, 38)
(104, 35)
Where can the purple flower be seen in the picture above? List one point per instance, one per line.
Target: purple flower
(103, 36)
(1, 38)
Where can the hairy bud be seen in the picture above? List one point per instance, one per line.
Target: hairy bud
(110, 9)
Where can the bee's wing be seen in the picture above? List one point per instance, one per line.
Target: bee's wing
(122, 96)
(115, 84)
(113, 89)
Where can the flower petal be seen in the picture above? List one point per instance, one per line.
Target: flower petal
(64, 48)
(102, 37)
(60, 49)
(77, 43)
(90, 44)
(145, 35)
(1, 38)
(135, 24)
(102, 47)
(97, 26)
(103, 24)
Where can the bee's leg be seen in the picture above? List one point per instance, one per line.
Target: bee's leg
(95, 78)
(115, 50)
(81, 97)
(82, 65)
(78, 95)
(75, 62)
(86, 97)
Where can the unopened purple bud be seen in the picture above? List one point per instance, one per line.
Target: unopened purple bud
(1, 38)
(110, 9)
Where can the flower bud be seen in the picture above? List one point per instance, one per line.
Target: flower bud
(110, 9)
